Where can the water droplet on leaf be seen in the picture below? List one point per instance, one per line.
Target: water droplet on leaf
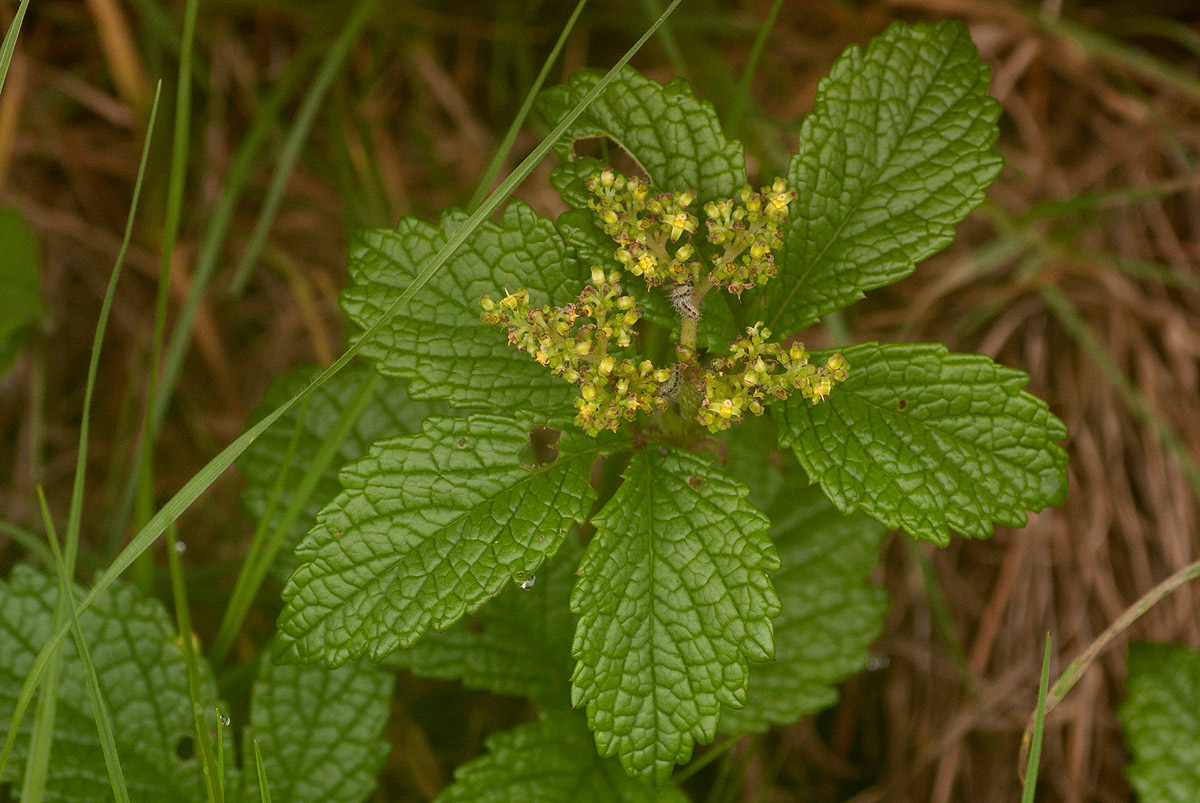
(180, 547)
(528, 582)
(224, 721)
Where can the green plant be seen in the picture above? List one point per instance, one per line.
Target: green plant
(674, 600)
(608, 521)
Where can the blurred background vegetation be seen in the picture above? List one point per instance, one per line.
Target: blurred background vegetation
(310, 119)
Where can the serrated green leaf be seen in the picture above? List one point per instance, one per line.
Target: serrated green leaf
(674, 602)
(388, 413)
(519, 643)
(438, 341)
(429, 528)
(896, 151)
(143, 676)
(318, 730)
(930, 442)
(674, 136)
(830, 613)
(21, 302)
(552, 760)
(1161, 719)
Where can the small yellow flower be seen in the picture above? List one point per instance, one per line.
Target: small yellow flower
(680, 223)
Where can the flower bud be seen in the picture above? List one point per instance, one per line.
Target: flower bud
(597, 275)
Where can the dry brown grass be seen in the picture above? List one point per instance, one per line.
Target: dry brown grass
(416, 92)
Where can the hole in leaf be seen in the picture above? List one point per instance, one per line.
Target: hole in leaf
(185, 748)
(902, 404)
(462, 442)
(610, 152)
(540, 449)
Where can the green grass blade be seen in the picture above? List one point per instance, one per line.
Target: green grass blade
(1110, 50)
(183, 619)
(75, 514)
(666, 35)
(741, 98)
(192, 489)
(259, 560)
(221, 746)
(510, 136)
(939, 609)
(1140, 268)
(30, 542)
(1035, 745)
(41, 741)
(263, 791)
(176, 184)
(108, 741)
(10, 41)
(295, 142)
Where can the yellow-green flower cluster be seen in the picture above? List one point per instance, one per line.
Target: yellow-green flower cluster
(654, 234)
(740, 383)
(574, 342)
(745, 235)
(647, 229)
